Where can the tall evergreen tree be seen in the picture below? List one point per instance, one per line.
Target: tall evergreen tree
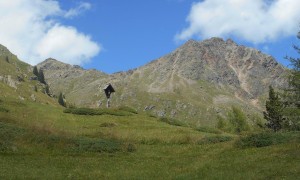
(41, 76)
(35, 71)
(61, 100)
(7, 59)
(274, 111)
(292, 93)
(47, 90)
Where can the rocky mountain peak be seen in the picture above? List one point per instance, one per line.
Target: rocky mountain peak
(219, 62)
(53, 64)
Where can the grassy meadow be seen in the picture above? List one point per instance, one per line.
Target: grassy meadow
(40, 141)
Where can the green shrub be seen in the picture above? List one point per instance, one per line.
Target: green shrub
(131, 147)
(238, 120)
(152, 141)
(84, 144)
(214, 139)
(152, 115)
(266, 139)
(208, 130)
(107, 124)
(128, 109)
(61, 100)
(221, 124)
(172, 121)
(92, 112)
(2, 109)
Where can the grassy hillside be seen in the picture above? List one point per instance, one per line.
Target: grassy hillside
(40, 141)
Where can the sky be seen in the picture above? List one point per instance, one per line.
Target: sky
(118, 35)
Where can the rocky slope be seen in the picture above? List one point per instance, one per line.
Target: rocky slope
(17, 82)
(196, 82)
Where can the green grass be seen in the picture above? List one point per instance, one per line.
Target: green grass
(39, 141)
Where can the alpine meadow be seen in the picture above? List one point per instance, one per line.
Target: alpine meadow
(212, 108)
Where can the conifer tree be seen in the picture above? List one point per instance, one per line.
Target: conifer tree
(35, 71)
(41, 76)
(292, 93)
(47, 90)
(61, 100)
(274, 111)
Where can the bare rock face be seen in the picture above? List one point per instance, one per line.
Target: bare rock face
(7, 79)
(224, 63)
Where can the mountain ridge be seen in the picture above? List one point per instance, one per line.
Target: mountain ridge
(208, 76)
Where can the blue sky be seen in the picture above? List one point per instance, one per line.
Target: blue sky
(132, 32)
(118, 35)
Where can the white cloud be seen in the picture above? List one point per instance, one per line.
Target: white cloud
(256, 21)
(29, 29)
(83, 6)
(68, 43)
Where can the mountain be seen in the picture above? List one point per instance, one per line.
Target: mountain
(195, 83)
(18, 83)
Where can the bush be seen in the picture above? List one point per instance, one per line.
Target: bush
(84, 144)
(92, 112)
(266, 139)
(128, 109)
(221, 124)
(7, 59)
(2, 109)
(131, 147)
(208, 130)
(172, 121)
(214, 139)
(106, 124)
(61, 100)
(237, 120)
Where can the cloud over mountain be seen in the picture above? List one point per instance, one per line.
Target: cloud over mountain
(256, 21)
(31, 29)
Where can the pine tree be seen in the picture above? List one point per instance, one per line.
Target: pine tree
(41, 76)
(61, 100)
(7, 59)
(292, 93)
(35, 71)
(274, 111)
(47, 90)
